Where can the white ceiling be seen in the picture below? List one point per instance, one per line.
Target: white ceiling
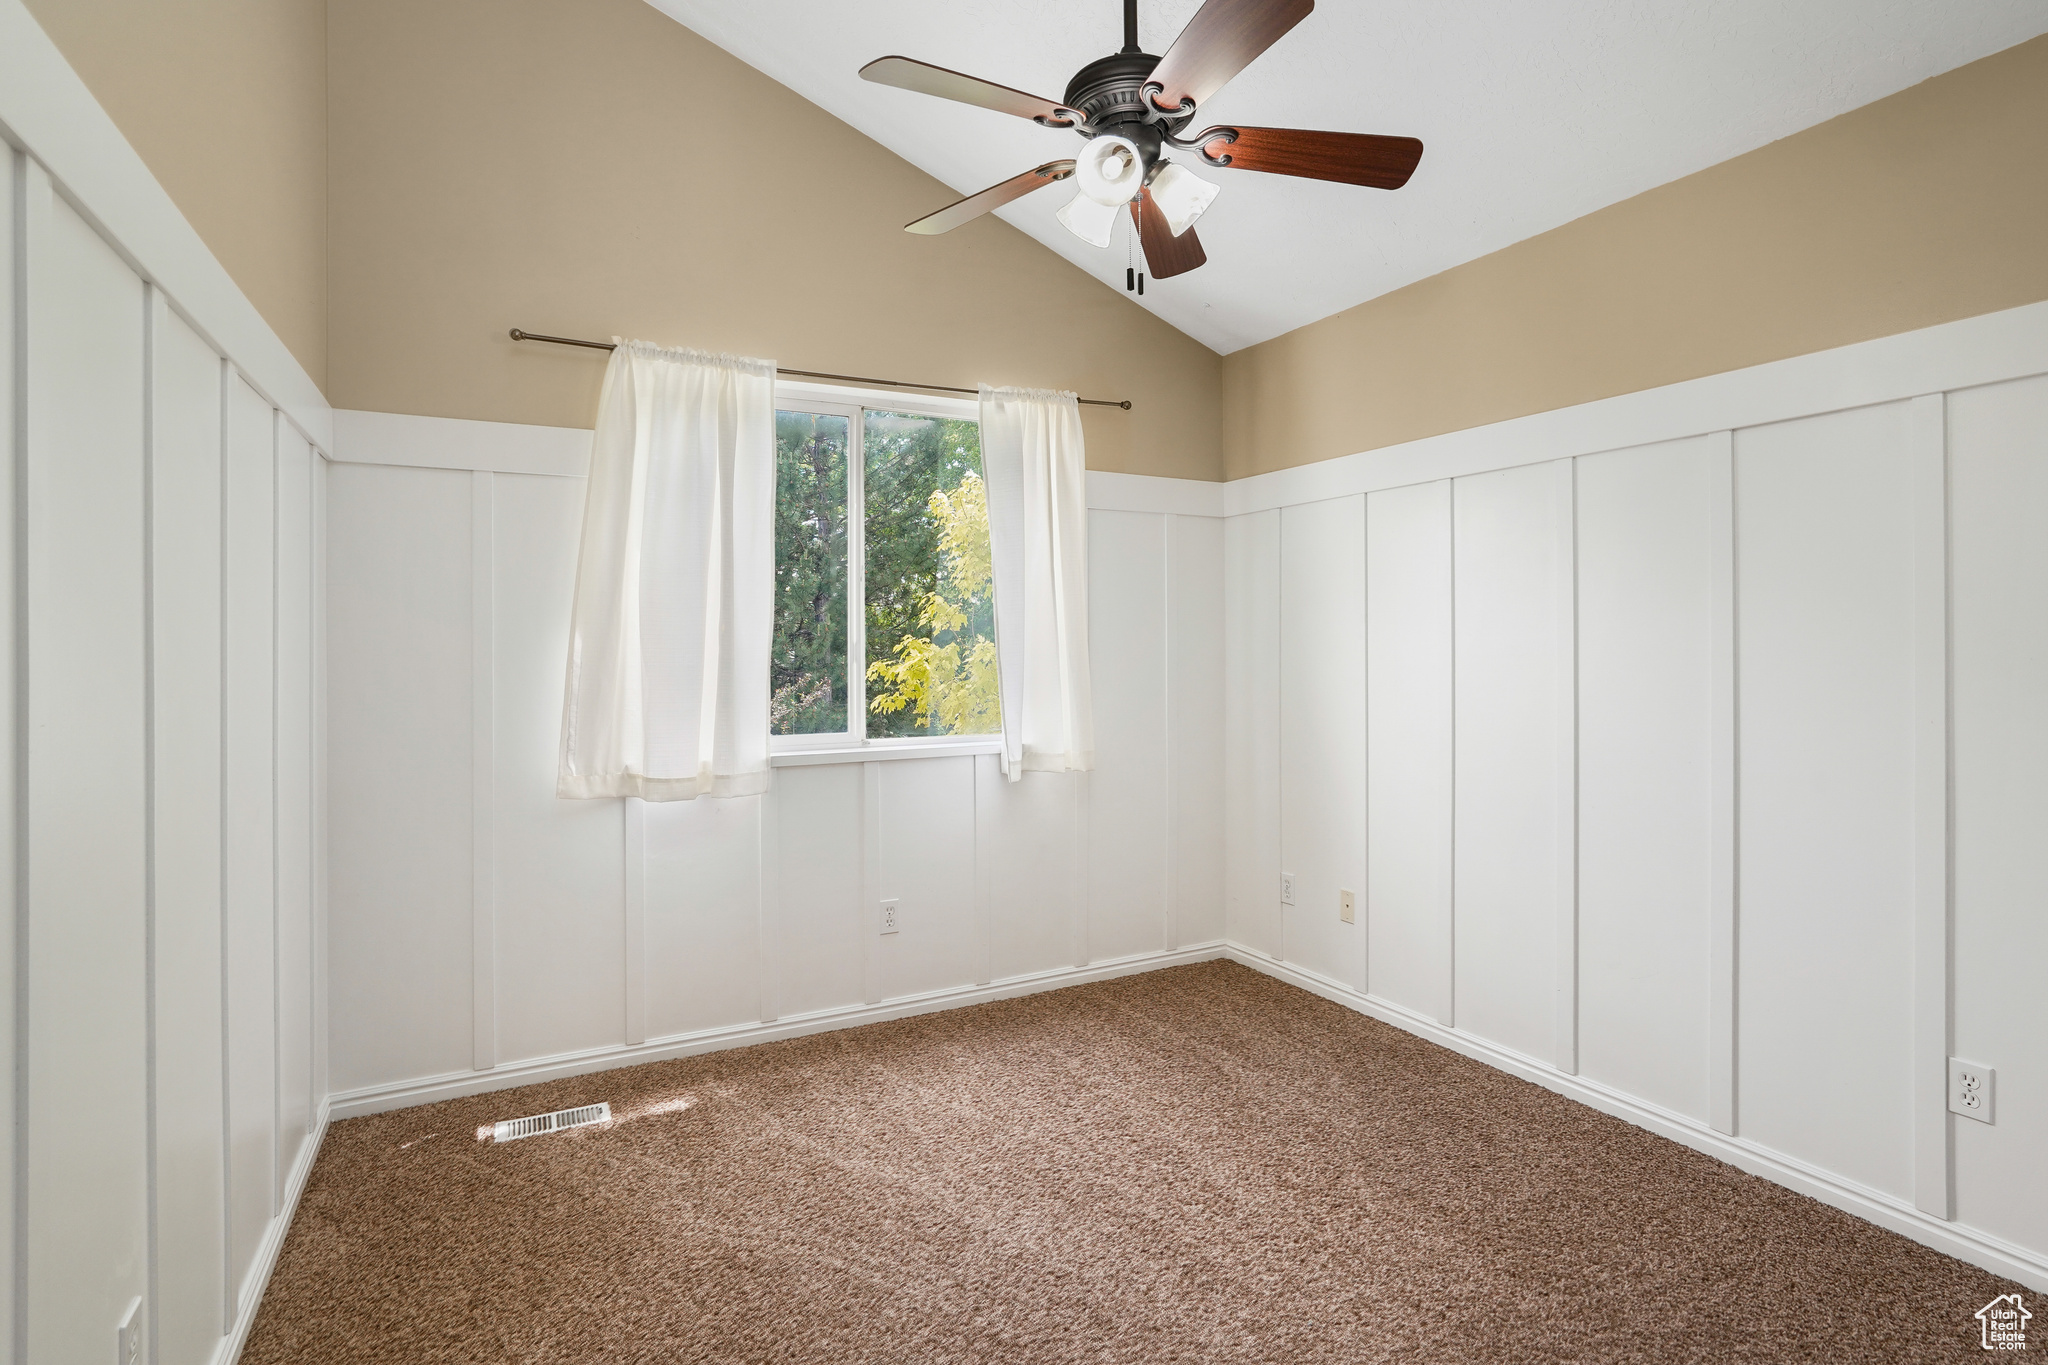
(1534, 112)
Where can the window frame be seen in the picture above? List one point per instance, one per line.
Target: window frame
(854, 744)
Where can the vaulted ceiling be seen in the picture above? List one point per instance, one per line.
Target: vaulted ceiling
(1534, 113)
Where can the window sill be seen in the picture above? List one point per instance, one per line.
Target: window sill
(871, 753)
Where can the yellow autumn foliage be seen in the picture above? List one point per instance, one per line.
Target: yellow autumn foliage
(953, 683)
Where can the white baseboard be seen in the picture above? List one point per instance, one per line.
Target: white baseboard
(1955, 1239)
(431, 1090)
(267, 1251)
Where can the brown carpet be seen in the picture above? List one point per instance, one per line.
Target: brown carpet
(1199, 1164)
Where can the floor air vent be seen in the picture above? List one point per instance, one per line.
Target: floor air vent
(583, 1117)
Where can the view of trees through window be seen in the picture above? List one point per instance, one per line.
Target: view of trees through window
(807, 666)
(930, 666)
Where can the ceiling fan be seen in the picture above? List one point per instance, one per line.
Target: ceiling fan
(1132, 106)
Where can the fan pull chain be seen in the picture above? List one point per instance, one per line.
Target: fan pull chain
(1133, 277)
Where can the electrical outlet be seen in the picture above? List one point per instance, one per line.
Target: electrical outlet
(128, 1335)
(1970, 1089)
(888, 917)
(1347, 907)
(1287, 888)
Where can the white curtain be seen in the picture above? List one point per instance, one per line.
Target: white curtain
(1032, 458)
(668, 644)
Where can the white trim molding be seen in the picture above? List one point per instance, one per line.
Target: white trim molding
(272, 1246)
(397, 438)
(1873, 1206)
(1955, 355)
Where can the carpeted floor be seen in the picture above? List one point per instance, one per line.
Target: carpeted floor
(1200, 1164)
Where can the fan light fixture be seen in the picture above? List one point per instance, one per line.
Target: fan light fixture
(1109, 172)
(1181, 196)
(1089, 219)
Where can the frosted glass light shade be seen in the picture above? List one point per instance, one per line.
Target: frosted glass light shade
(1109, 170)
(1090, 219)
(1181, 196)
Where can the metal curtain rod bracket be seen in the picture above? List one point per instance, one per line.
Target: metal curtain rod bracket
(518, 335)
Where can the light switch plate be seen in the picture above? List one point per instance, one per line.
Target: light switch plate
(1347, 907)
(1970, 1089)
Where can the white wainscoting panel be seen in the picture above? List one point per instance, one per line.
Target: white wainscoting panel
(743, 912)
(399, 783)
(1322, 732)
(821, 952)
(185, 540)
(1998, 467)
(1749, 761)
(1251, 698)
(165, 1100)
(86, 798)
(559, 866)
(1194, 728)
(1408, 624)
(703, 947)
(161, 930)
(1514, 752)
(928, 860)
(1647, 652)
(292, 837)
(1024, 845)
(250, 831)
(1127, 806)
(1825, 604)
(13, 1112)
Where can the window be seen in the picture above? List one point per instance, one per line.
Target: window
(884, 599)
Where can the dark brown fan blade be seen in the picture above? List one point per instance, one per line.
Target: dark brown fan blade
(1383, 163)
(1165, 254)
(1221, 40)
(994, 197)
(927, 79)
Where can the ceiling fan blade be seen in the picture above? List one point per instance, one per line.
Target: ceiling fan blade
(926, 79)
(1165, 254)
(1221, 40)
(994, 197)
(1382, 163)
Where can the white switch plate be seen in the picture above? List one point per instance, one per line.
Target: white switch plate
(888, 917)
(128, 1335)
(1347, 907)
(1970, 1089)
(1287, 888)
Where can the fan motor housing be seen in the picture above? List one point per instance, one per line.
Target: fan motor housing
(1111, 92)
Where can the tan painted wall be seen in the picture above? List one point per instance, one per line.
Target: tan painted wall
(1924, 207)
(226, 102)
(593, 168)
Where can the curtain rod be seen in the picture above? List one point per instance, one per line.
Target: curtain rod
(518, 335)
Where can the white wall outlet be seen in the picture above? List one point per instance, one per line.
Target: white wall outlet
(1287, 888)
(128, 1335)
(1969, 1089)
(1347, 907)
(888, 917)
